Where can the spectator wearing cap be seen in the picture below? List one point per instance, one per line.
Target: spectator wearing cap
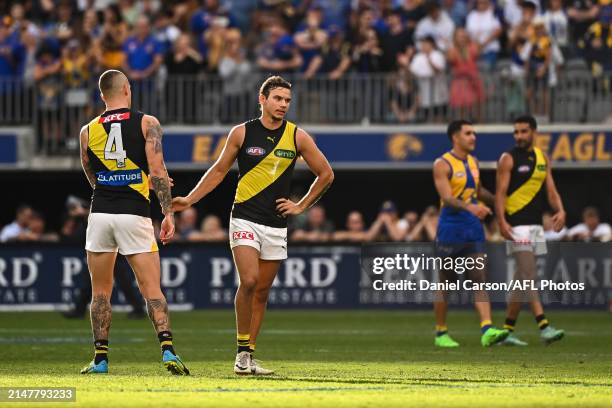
(394, 42)
(436, 24)
(591, 228)
(19, 227)
(484, 28)
(278, 54)
(388, 226)
(310, 41)
(428, 67)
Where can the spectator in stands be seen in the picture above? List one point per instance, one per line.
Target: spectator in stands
(18, 228)
(36, 230)
(367, 54)
(317, 229)
(412, 218)
(335, 58)
(437, 24)
(12, 51)
(61, 26)
(466, 90)
(412, 12)
(310, 41)
(235, 70)
(394, 42)
(457, 10)
(523, 30)
(47, 75)
(598, 40)
(184, 59)
(484, 28)
(278, 54)
(210, 15)
(365, 20)
(91, 27)
(591, 228)
(581, 14)
(388, 226)
(549, 231)
(425, 229)
(355, 229)
(556, 22)
(143, 56)
(428, 67)
(183, 63)
(74, 225)
(539, 65)
(404, 97)
(166, 32)
(186, 223)
(108, 47)
(210, 231)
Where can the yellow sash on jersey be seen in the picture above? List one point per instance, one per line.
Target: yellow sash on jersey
(458, 177)
(97, 143)
(270, 168)
(526, 192)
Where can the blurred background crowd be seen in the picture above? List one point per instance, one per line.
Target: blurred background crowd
(429, 57)
(313, 226)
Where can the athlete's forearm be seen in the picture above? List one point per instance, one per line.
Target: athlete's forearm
(89, 173)
(316, 191)
(486, 196)
(455, 203)
(209, 181)
(161, 186)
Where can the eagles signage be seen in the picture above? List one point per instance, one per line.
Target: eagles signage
(401, 147)
(321, 277)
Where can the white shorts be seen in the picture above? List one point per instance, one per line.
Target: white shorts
(527, 238)
(269, 241)
(128, 233)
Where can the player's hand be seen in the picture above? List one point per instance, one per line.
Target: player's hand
(287, 207)
(166, 231)
(180, 204)
(506, 230)
(479, 210)
(558, 220)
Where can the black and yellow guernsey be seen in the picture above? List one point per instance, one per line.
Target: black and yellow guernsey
(266, 161)
(116, 151)
(526, 196)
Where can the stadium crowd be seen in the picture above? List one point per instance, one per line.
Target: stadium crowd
(312, 226)
(64, 44)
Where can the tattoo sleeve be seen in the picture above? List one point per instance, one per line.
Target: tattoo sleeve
(160, 184)
(158, 313)
(89, 173)
(100, 316)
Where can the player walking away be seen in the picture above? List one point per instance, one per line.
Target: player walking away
(524, 183)
(119, 149)
(460, 232)
(266, 149)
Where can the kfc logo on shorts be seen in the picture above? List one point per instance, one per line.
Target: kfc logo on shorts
(242, 235)
(114, 117)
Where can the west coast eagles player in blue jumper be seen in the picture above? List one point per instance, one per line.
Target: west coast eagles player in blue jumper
(460, 232)
(266, 149)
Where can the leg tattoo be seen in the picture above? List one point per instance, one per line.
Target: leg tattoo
(158, 313)
(100, 316)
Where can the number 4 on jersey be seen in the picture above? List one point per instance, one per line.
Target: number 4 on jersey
(115, 138)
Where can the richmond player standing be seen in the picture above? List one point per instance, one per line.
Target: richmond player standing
(266, 149)
(119, 149)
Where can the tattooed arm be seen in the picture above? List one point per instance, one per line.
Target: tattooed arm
(84, 139)
(319, 165)
(159, 175)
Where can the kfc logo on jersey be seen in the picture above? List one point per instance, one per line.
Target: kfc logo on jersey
(242, 235)
(114, 117)
(255, 151)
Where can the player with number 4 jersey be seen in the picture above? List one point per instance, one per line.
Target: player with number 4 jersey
(119, 150)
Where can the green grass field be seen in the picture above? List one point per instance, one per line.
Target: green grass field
(333, 359)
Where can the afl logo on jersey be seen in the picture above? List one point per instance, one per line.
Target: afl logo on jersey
(459, 174)
(255, 151)
(523, 169)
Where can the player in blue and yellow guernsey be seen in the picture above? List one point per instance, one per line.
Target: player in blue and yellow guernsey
(525, 187)
(460, 232)
(121, 154)
(266, 149)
